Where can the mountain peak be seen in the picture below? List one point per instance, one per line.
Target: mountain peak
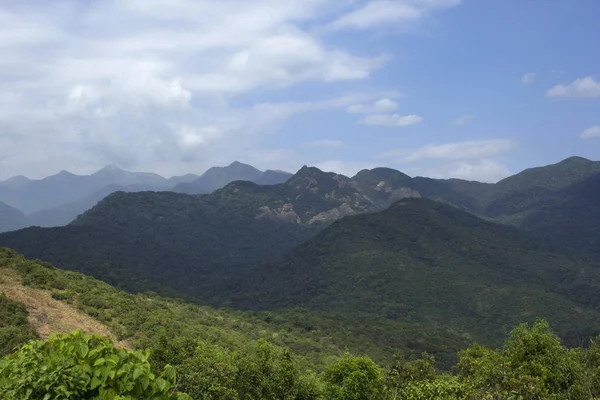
(109, 169)
(65, 173)
(19, 179)
(238, 165)
(575, 160)
(307, 171)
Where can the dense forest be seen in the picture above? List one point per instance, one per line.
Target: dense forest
(173, 357)
(379, 286)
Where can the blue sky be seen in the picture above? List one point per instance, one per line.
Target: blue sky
(474, 89)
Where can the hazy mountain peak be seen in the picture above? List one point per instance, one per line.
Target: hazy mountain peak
(238, 166)
(15, 181)
(109, 169)
(64, 174)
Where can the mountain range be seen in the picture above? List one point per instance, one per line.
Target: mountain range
(58, 199)
(466, 256)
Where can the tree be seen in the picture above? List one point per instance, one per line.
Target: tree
(533, 364)
(354, 378)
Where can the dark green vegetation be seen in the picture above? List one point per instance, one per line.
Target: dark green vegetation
(423, 261)
(532, 364)
(570, 220)
(14, 329)
(378, 263)
(557, 203)
(148, 321)
(212, 354)
(248, 246)
(140, 241)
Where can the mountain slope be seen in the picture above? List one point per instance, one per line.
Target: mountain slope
(570, 219)
(538, 186)
(157, 240)
(424, 261)
(48, 315)
(11, 219)
(169, 327)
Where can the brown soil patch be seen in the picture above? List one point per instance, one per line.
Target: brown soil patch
(48, 315)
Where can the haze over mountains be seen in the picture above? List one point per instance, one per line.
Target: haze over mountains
(58, 199)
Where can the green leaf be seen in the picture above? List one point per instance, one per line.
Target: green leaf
(95, 383)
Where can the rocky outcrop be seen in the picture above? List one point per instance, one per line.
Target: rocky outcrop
(285, 213)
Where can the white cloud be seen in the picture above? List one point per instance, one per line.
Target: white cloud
(151, 84)
(582, 88)
(326, 143)
(343, 167)
(528, 78)
(462, 120)
(393, 120)
(482, 171)
(472, 149)
(591, 132)
(386, 12)
(380, 106)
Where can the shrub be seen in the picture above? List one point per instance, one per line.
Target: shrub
(79, 366)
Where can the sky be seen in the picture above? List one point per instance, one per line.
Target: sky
(471, 89)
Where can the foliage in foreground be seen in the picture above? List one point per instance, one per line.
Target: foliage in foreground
(79, 366)
(532, 364)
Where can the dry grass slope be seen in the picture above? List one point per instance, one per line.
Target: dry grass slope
(47, 315)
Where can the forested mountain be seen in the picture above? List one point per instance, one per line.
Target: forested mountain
(189, 242)
(217, 177)
(570, 218)
(541, 201)
(379, 262)
(244, 247)
(58, 299)
(135, 239)
(159, 348)
(423, 261)
(57, 200)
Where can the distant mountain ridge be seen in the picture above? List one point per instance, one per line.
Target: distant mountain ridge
(217, 177)
(380, 243)
(10, 218)
(245, 223)
(195, 236)
(58, 199)
(521, 200)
